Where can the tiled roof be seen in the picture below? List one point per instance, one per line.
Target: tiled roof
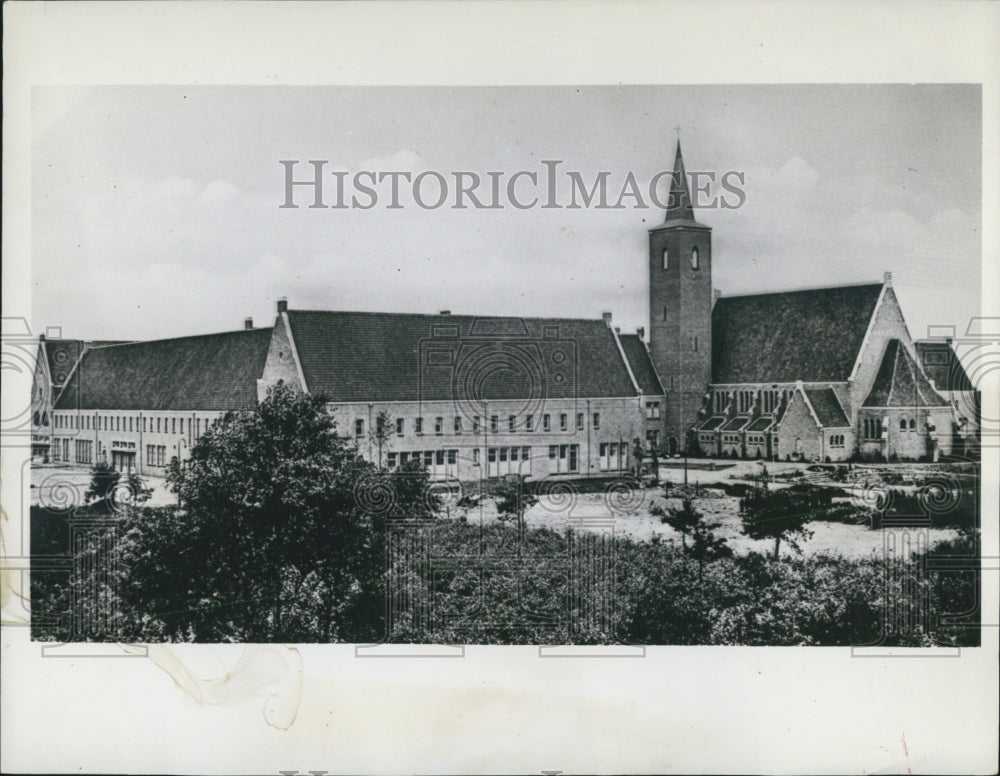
(761, 423)
(712, 423)
(642, 367)
(942, 365)
(827, 407)
(207, 372)
(352, 356)
(899, 383)
(812, 335)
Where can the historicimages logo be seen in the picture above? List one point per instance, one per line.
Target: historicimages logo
(311, 184)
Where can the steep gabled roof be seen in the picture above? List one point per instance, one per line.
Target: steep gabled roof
(813, 335)
(61, 356)
(900, 383)
(827, 408)
(942, 365)
(359, 356)
(642, 367)
(207, 372)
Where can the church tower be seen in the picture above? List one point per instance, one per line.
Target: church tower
(680, 309)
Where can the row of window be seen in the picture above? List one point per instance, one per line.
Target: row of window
(428, 458)
(129, 423)
(695, 264)
(515, 459)
(746, 398)
(871, 428)
(510, 424)
(836, 440)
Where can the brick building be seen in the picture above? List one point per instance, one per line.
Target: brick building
(139, 405)
(815, 374)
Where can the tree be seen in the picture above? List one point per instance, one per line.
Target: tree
(688, 521)
(513, 499)
(103, 481)
(283, 534)
(382, 433)
(777, 515)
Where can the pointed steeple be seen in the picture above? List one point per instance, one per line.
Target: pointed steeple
(679, 204)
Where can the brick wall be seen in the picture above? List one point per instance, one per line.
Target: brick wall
(621, 422)
(680, 340)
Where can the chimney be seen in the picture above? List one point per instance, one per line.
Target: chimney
(41, 338)
(607, 317)
(282, 305)
(618, 329)
(641, 332)
(887, 279)
(248, 323)
(445, 312)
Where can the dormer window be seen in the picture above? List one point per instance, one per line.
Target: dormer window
(694, 258)
(666, 258)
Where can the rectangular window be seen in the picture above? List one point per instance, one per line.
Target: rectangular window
(399, 426)
(652, 410)
(404, 458)
(563, 421)
(182, 425)
(380, 427)
(503, 454)
(84, 451)
(452, 457)
(511, 423)
(439, 426)
(359, 427)
(475, 456)
(546, 422)
(492, 455)
(150, 455)
(604, 449)
(514, 453)
(475, 424)
(553, 450)
(198, 427)
(458, 424)
(579, 421)
(597, 421)
(391, 460)
(157, 425)
(525, 453)
(529, 422)
(418, 425)
(439, 457)
(494, 424)
(428, 458)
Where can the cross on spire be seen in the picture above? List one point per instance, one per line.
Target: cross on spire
(679, 205)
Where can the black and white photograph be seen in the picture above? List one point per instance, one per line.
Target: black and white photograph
(581, 371)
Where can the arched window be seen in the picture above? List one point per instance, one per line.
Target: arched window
(913, 425)
(902, 424)
(666, 258)
(694, 258)
(664, 312)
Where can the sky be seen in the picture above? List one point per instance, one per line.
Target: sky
(156, 209)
